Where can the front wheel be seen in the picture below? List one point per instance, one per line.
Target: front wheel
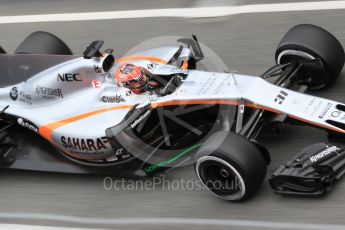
(230, 166)
(310, 42)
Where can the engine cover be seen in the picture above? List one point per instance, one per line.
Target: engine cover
(312, 171)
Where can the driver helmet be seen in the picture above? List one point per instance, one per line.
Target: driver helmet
(132, 77)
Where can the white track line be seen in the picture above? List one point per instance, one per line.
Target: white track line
(165, 221)
(36, 227)
(200, 12)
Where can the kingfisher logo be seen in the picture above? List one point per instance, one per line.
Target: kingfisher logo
(49, 93)
(324, 153)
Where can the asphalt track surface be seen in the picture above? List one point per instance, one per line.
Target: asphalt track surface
(246, 43)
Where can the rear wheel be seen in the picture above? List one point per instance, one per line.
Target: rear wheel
(230, 166)
(310, 42)
(41, 42)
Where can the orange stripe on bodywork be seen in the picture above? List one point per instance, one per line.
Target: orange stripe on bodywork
(226, 102)
(47, 130)
(193, 102)
(211, 102)
(141, 58)
(255, 106)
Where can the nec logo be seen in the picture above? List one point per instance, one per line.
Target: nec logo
(69, 77)
(280, 97)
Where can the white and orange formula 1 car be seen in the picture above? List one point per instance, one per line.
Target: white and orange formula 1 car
(67, 113)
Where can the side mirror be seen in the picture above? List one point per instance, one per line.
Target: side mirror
(93, 50)
(105, 62)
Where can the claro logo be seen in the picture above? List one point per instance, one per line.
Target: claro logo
(82, 144)
(113, 99)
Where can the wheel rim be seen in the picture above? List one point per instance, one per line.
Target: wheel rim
(220, 178)
(298, 53)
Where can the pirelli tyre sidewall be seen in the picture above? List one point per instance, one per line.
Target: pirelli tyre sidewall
(309, 42)
(240, 159)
